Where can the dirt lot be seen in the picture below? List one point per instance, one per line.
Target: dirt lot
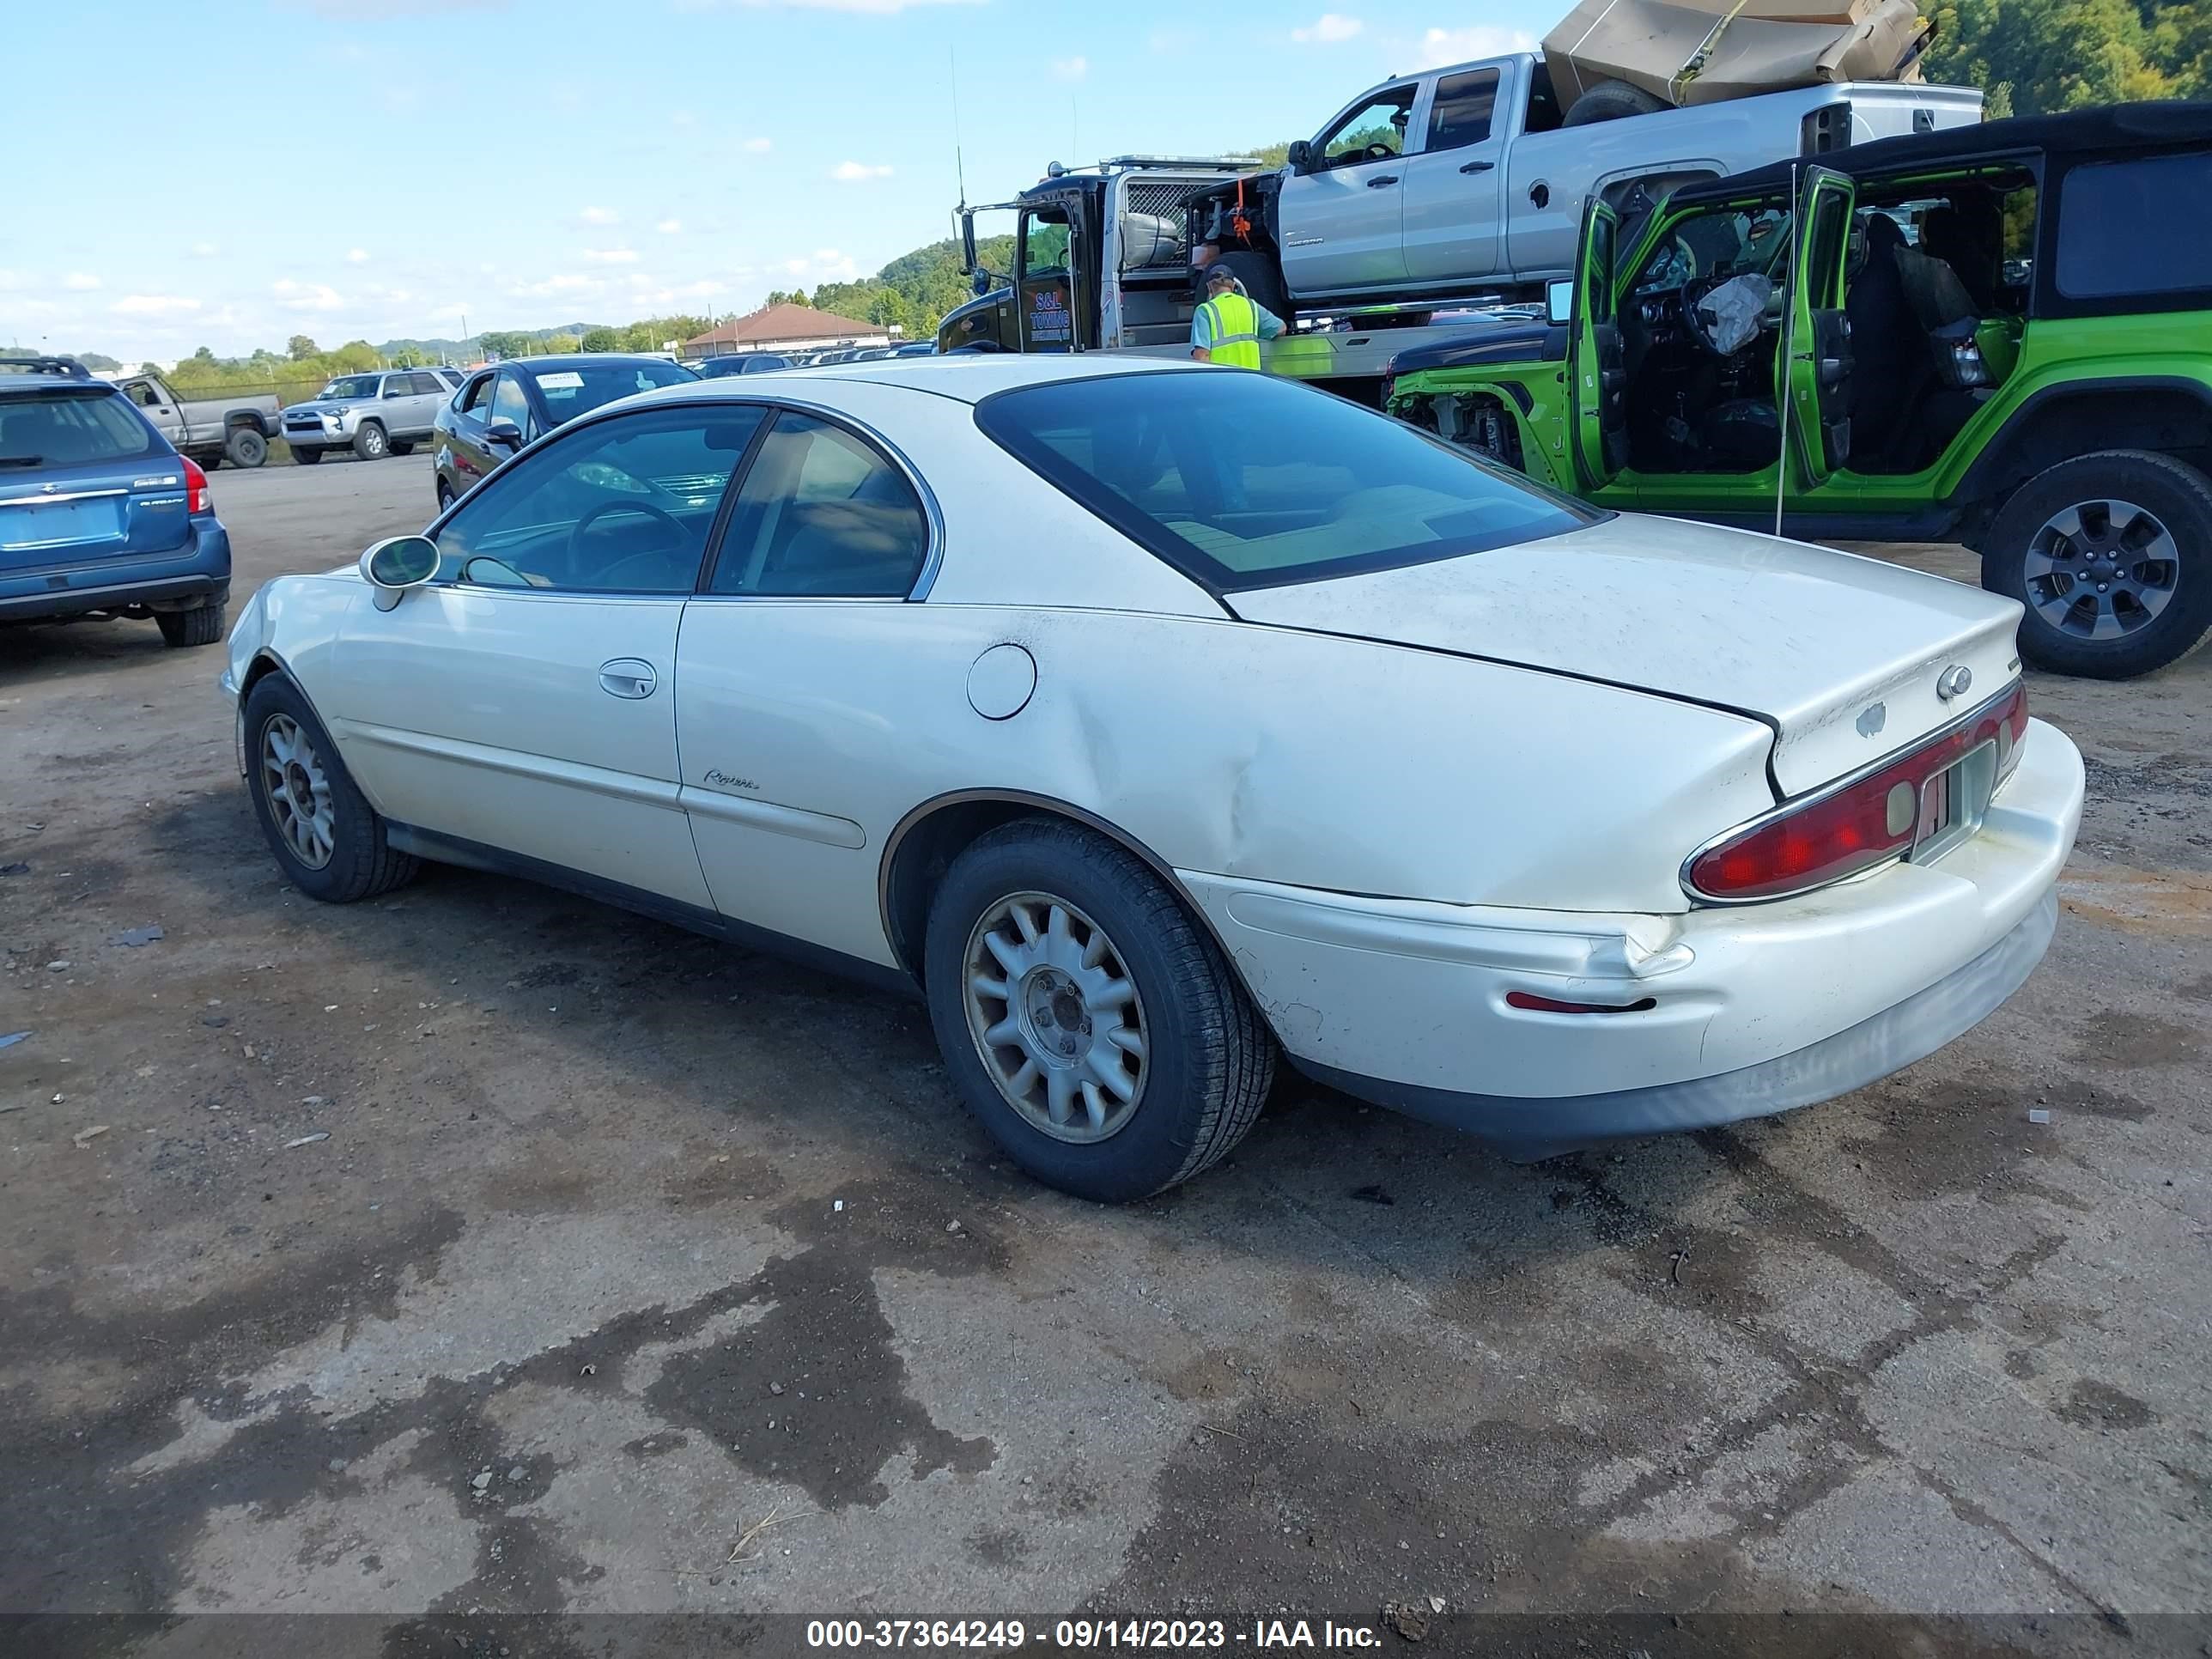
(558, 1307)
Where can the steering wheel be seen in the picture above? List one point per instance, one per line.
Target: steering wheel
(622, 505)
(1379, 152)
(1693, 322)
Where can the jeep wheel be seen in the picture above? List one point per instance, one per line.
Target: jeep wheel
(2111, 554)
(398, 448)
(246, 448)
(369, 442)
(307, 455)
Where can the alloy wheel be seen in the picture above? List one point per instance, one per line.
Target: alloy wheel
(2102, 569)
(298, 790)
(1056, 1018)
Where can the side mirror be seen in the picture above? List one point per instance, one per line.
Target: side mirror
(968, 244)
(1560, 302)
(504, 432)
(397, 563)
(980, 284)
(1301, 155)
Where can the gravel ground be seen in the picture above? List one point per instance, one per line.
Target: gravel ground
(479, 1251)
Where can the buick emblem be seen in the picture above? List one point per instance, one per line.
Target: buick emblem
(1954, 681)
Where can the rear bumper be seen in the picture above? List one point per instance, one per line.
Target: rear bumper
(180, 579)
(1725, 1013)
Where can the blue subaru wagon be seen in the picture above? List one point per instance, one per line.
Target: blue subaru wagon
(98, 512)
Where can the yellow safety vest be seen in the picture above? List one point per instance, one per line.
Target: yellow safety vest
(1236, 331)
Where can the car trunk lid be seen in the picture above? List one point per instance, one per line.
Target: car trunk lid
(82, 477)
(1842, 656)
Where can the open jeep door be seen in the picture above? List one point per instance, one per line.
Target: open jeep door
(1817, 407)
(1599, 363)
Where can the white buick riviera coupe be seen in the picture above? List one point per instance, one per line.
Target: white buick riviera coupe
(1155, 721)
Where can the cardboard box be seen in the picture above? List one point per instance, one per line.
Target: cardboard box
(1704, 52)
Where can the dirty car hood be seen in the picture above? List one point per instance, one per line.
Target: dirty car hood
(1840, 654)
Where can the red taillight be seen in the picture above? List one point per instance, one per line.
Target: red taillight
(1869, 821)
(196, 486)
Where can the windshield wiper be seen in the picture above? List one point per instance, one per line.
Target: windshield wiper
(21, 460)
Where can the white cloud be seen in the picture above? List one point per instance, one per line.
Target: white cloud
(600, 215)
(1462, 45)
(683, 117)
(204, 250)
(307, 296)
(357, 256)
(154, 305)
(82, 282)
(853, 172)
(668, 227)
(760, 146)
(13, 282)
(566, 282)
(452, 313)
(611, 256)
(824, 265)
(1070, 69)
(1329, 28)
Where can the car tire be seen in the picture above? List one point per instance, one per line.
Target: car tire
(369, 441)
(341, 857)
(1201, 1060)
(208, 463)
(445, 496)
(2059, 533)
(246, 448)
(305, 455)
(1261, 279)
(398, 448)
(202, 626)
(1609, 100)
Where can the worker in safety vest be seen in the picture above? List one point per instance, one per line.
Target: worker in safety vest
(1229, 327)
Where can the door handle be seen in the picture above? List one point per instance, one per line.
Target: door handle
(1386, 179)
(627, 676)
(1478, 166)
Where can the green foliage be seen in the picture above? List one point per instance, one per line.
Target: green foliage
(915, 289)
(98, 363)
(2039, 56)
(562, 345)
(1270, 156)
(300, 348)
(601, 339)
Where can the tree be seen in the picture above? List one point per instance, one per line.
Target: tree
(205, 355)
(300, 348)
(2039, 56)
(563, 344)
(601, 339)
(504, 343)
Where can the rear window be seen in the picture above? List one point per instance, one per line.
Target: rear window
(67, 429)
(569, 391)
(2135, 226)
(1242, 480)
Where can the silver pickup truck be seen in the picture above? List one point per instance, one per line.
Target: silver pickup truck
(378, 413)
(1468, 181)
(212, 430)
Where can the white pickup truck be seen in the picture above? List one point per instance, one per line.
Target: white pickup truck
(1467, 182)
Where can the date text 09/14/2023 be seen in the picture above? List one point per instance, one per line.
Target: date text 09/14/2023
(1079, 1635)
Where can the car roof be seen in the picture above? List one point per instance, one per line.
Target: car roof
(14, 381)
(2118, 127)
(970, 377)
(570, 359)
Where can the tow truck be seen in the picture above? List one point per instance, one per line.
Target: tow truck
(1102, 263)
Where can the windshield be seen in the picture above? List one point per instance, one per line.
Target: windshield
(569, 392)
(1730, 243)
(348, 385)
(67, 429)
(1242, 480)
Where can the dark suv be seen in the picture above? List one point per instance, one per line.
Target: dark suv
(499, 409)
(98, 512)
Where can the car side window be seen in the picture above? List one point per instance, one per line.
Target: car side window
(822, 514)
(424, 386)
(1462, 109)
(619, 505)
(1373, 132)
(510, 403)
(475, 400)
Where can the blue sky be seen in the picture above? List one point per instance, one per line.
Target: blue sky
(229, 172)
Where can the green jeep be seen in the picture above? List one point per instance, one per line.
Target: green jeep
(2000, 335)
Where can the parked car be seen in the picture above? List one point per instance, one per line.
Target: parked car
(1767, 822)
(380, 413)
(917, 349)
(499, 409)
(211, 430)
(1977, 302)
(742, 362)
(99, 514)
(1470, 178)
